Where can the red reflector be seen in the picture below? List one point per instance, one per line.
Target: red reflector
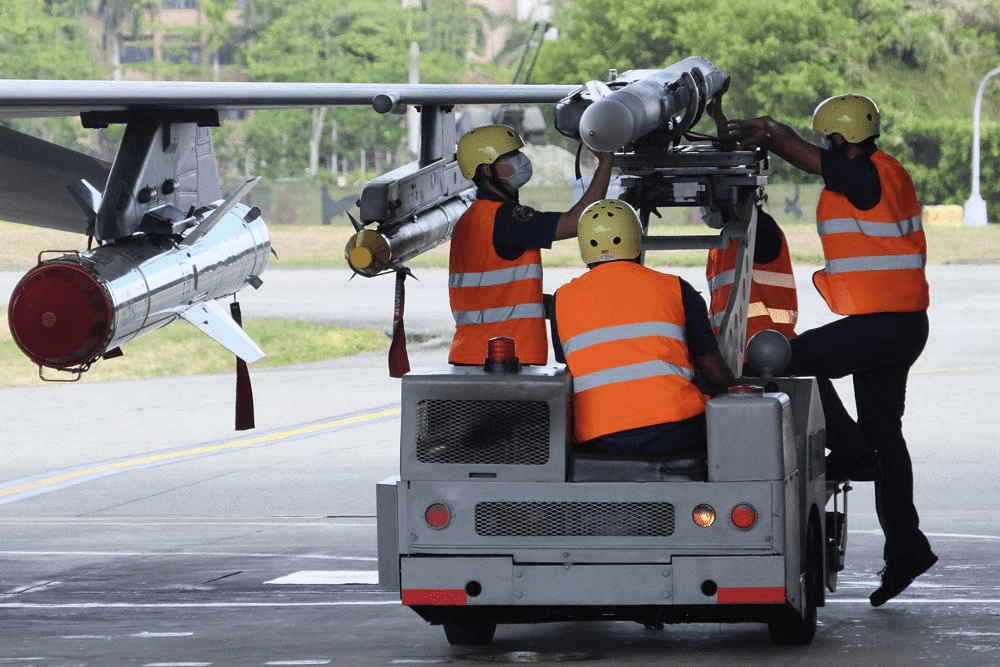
(60, 316)
(744, 516)
(437, 515)
(751, 595)
(434, 596)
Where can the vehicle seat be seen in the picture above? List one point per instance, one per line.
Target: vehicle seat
(595, 467)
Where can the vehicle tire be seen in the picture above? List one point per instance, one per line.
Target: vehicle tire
(468, 634)
(787, 626)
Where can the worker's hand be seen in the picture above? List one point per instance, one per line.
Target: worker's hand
(604, 157)
(752, 132)
(716, 113)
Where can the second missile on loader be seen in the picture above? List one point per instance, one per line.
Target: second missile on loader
(610, 116)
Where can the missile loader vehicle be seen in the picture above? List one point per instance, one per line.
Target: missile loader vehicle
(495, 519)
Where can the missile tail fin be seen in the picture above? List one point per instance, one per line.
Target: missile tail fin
(212, 319)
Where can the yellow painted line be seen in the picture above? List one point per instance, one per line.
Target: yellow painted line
(138, 461)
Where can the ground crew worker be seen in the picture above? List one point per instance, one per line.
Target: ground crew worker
(495, 266)
(869, 223)
(774, 301)
(633, 339)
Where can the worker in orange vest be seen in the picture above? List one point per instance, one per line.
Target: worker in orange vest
(633, 339)
(495, 265)
(774, 301)
(869, 222)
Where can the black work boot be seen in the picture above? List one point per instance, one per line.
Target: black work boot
(896, 576)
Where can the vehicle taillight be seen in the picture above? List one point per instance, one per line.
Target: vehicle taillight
(437, 515)
(703, 515)
(743, 516)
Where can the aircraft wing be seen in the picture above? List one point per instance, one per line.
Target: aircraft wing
(34, 174)
(33, 179)
(25, 98)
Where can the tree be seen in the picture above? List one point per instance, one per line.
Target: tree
(783, 55)
(46, 41)
(332, 40)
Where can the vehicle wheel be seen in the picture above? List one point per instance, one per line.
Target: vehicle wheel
(787, 626)
(466, 634)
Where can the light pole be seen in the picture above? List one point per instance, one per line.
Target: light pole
(975, 207)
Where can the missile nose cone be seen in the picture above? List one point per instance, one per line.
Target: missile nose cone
(367, 253)
(606, 125)
(60, 316)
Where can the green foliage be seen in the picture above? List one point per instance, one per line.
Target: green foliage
(44, 41)
(782, 55)
(937, 153)
(333, 40)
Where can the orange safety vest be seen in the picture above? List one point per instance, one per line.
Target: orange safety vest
(622, 329)
(491, 296)
(774, 302)
(874, 259)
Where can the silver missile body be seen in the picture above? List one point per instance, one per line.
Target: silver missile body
(74, 308)
(640, 102)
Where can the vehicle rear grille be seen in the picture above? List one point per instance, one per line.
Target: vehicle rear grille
(483, 432)
(574, 519)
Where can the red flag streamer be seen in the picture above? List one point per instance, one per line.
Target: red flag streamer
(244, 392)
(399, 362)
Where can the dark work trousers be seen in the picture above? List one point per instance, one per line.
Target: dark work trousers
(877, 351)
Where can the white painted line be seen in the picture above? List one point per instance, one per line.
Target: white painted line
(135, 635)
(298, 662)
(197, 605)
(963, 601)
(177, 664)
(956, 536)
(327, 578)
(190, 554)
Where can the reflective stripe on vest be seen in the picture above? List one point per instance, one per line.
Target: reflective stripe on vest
(640, 371)
(491, 296)
(874, 259)
(490, 315)
(496, 277)
(623, 332)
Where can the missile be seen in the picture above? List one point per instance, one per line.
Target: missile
(369, 252)
(609, 116)
(72, 309)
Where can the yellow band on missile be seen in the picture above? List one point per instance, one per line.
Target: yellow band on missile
(367, 252)
(361, 258)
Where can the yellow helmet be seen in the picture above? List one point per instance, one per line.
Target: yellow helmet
(609, 229)
(483, 145)
(855, 117)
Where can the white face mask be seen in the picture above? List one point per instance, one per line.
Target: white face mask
(521, 165)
